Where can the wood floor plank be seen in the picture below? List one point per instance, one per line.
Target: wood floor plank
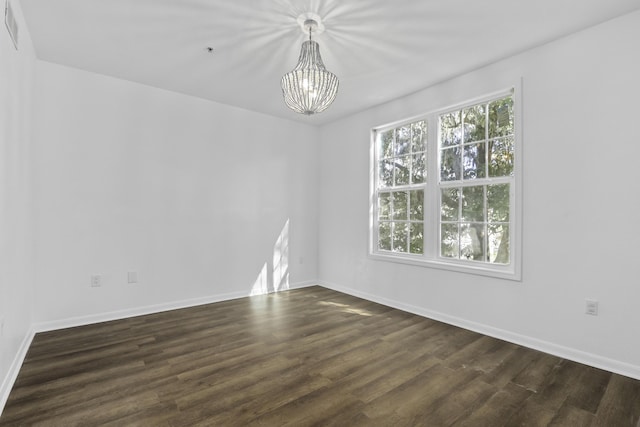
(311, 409)
(304, 358)
(420, 393)
(569, 415)
(531, 414)
(574, 384)
(483, 354)
(620, 405)
(534, 375)
(497, 409)
(392, 377)
(511, 366)
(592, 384)
(459, 405)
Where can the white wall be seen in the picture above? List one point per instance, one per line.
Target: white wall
(16, 219)
(581, 198)
(191, 194)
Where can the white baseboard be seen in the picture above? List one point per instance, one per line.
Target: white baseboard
(150, 309)
(72, 322)
(14, 369)
(611, 365)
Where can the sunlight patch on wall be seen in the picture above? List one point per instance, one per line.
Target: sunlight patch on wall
(274, 277)
(281, 260)
(261, 285)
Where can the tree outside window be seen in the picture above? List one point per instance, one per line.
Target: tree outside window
(463, 211)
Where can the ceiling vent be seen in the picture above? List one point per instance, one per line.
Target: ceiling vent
(10, 22)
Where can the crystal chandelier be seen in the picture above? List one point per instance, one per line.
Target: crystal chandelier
(309, 88)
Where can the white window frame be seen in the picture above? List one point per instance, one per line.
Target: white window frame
(431, 245)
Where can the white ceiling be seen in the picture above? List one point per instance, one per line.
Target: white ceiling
(380, 49)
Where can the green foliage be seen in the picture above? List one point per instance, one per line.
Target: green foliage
(402, 154)
(474, 119)
(450, 129)
(476, 143)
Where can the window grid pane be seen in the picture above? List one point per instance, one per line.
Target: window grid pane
(476, 143)
(477, 218)
(401, 154)
(469, 149)
(400, 221)
(475, 158)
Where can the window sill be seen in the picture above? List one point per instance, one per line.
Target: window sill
(499, 272)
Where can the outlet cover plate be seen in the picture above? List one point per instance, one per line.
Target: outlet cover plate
(96, 281)
(132, 277)
(591, 307)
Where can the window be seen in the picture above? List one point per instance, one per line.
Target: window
(402, 174)
(445, 189)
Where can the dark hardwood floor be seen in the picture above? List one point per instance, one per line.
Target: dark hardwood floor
(304, 357)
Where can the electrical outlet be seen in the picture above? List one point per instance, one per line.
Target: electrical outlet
(132, 277)
(96, 281)
(591, 307)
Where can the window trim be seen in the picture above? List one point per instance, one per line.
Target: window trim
(431, 254)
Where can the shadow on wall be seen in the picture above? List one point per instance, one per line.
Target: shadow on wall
(274, 277)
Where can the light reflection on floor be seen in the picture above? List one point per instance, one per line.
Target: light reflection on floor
(346, 308)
